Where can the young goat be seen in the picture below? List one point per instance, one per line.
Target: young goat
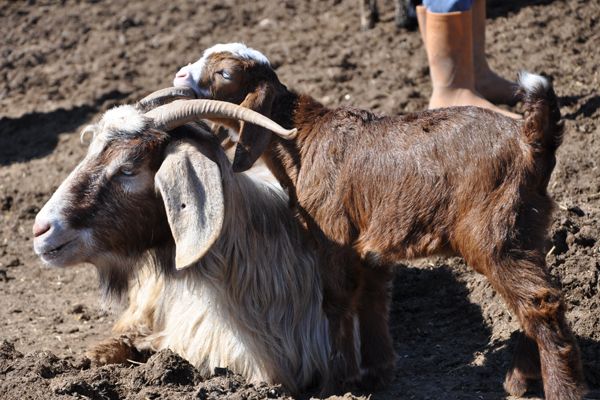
(376, 190)
(145, 201)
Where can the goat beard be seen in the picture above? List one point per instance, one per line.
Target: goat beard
(116, 273)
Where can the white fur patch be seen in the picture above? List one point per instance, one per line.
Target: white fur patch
(533, 82)
(237, 49)
(123, 118)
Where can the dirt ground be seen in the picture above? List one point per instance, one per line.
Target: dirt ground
(64, 62)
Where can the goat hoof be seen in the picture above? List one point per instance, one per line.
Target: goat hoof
(515, 383)
(330, 388)
(342, 376)
(374, 378)
(334, 387)
(112, 351)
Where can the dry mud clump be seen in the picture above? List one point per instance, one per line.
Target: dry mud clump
(41, 374)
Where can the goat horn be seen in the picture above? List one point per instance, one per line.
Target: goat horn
(164, 96)
(180, 112)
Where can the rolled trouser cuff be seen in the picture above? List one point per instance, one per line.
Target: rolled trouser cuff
(447, 6)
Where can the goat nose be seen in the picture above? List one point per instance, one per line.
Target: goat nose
(39, 228)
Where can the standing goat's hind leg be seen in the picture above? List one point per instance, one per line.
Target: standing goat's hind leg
(525, 366)
(522, 280)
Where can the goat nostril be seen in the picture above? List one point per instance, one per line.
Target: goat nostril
(182, 74)
(40, 228)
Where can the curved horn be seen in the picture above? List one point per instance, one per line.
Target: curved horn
(180, 112)
(164, 96)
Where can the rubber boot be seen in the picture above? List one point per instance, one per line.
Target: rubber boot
(449, 45)
(491, 86)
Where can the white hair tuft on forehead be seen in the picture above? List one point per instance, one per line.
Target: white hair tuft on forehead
(125, 118)
(238, 49)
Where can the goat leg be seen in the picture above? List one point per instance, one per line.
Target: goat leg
(376, 346)
(523, 282)
(343, 371)
(337, 303)
(116, 350)
(525, 366)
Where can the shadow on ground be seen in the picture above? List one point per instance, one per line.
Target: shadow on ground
(35, 135)
(587, 109)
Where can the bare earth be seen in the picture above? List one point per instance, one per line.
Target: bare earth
(63, 63)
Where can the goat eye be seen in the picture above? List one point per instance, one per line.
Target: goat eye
(224, 74)
(127, 171)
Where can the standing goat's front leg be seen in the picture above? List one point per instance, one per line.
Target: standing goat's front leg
(339, 287)
(378, 359)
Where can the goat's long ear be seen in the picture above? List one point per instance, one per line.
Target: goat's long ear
(254, 139)
(191, 188)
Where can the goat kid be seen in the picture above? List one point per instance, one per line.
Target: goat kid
(246, 293)
(377, 190)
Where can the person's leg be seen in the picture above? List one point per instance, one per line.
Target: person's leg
(421, 15)
(491, 86)
(449, 44)
(440, 7)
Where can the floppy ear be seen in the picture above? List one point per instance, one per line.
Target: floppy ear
(253, 139)
(191, 188)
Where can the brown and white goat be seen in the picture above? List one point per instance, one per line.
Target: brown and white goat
(145, 201)
(376, 190)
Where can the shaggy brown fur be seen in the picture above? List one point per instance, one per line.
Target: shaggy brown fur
(376, 190)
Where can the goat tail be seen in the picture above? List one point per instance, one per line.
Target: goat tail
(542, 127)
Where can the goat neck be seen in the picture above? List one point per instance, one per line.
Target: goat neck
(284, 157)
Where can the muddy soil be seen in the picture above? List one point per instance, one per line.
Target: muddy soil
(64, 62)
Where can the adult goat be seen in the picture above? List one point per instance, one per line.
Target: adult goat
(213, 262)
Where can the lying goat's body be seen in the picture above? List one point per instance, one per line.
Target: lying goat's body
(252, 304)
(251, 301)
